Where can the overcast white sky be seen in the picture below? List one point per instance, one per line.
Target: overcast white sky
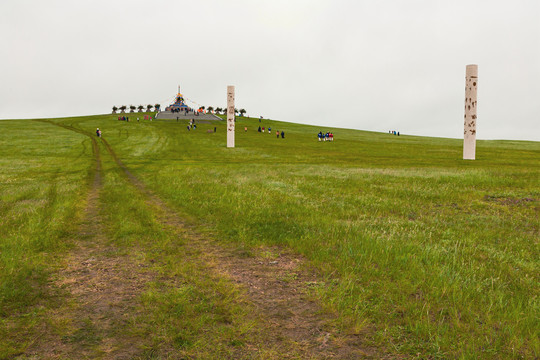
(367, 64)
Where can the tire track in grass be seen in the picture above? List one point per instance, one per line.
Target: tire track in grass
(277, 285)
(101, 286)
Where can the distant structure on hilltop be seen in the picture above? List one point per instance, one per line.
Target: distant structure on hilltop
(179, 104)
(178, 110)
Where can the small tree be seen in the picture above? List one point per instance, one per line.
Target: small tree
(140, 107)
(210, 109)
(218, 110)
(132, 108)
(242, 112)
(235, 110)
(114, 109)
(158, 107)
(123, 108)
(149, 107)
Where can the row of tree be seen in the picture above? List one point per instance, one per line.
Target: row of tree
(132, 108)
(149, 108)
(223, 111)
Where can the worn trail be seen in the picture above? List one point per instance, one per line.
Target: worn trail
(277, 282)
(102, 286)
(105, 286)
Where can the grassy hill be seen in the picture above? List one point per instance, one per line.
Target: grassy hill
(424, 254)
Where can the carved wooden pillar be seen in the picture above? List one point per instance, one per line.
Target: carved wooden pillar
(230, 116)
(469, 134)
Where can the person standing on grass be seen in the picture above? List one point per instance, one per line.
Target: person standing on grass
(259, 129)
(263, 129)
(282, 134)
(277, 134)
(245, 128)
(319, 135)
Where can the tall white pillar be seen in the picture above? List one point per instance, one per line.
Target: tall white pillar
(469, 134)
(230, 116)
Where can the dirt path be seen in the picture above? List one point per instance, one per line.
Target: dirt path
(277, 282)
(105, 284)
(102, 286)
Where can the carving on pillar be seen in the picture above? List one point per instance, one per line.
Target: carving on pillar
(469, 135)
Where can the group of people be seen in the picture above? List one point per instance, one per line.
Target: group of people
(126, 118)
(263, 129)
(184, 110)
(191, 124)
(325, 137)
(393, 132)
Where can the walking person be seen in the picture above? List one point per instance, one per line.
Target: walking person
(282, 134)
(277, 134)
(98, 132)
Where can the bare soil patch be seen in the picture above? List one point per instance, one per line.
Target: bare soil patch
(507, 200)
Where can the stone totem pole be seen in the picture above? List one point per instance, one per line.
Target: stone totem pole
(469, 135)
(230, 116)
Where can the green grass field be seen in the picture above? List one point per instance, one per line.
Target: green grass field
(427, 255)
